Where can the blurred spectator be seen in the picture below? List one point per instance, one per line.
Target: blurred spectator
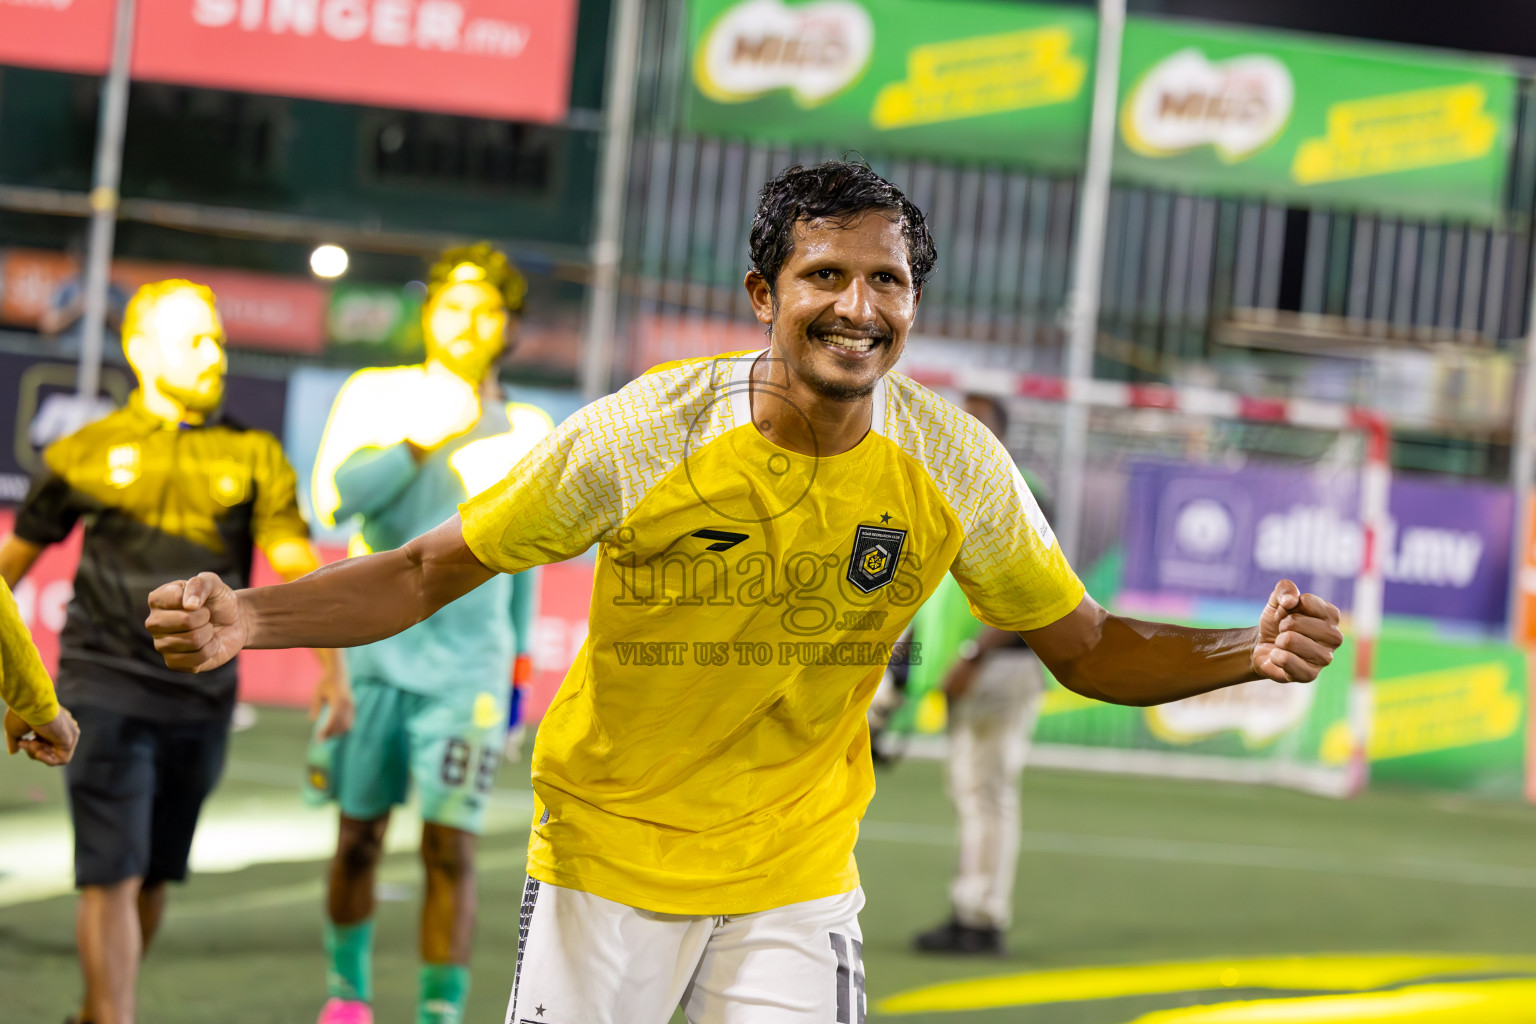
(63, 321)
(993, 689)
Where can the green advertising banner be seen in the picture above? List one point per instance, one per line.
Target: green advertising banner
(1237, 112)
(1446, 716)
(374, 323)
(1313, 121)
(962, 79)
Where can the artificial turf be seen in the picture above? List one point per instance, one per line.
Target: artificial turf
(1114, 870)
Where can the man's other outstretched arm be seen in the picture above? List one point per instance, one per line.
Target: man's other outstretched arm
(1127, 661)
(200, 624)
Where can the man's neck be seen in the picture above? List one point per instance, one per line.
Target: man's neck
(165, 408)
(790, 413)
(488, 389)
(437, 366)
(487, 392)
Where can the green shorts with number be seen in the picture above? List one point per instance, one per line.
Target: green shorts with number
(450, 746)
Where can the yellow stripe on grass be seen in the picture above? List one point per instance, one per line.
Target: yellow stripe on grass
(1471, 1002)
(1339, 973)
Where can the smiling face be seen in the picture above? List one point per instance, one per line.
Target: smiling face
(466, 328)
(176, 347)
(843, 303)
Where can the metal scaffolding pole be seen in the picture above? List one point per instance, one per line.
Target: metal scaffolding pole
(1088, 268)
(613, 177)
(104, 202)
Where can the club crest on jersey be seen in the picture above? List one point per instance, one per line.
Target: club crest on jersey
(876, 550)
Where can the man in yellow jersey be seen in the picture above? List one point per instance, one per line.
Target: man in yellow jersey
(767, 524)
(165, 487)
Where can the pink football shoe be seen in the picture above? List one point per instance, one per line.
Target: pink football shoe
(345, 1011)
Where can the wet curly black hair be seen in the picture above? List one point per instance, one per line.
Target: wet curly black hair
(837, 191)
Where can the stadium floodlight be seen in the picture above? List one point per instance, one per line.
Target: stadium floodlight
(328, 261)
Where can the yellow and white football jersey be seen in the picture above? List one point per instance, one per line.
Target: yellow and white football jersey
(708, 752)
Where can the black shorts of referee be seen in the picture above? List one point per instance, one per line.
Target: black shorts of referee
(136, 786)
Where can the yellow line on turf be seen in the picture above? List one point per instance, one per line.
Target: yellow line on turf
(1477, 1002)
(1345, 973)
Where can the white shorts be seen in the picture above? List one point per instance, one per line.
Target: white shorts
(582, 959)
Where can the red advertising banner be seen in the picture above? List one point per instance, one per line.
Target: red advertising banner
(61, 35)
(44, 592)
(493, 58)
(506, 59)
(284, 314)
(263, 311)
(29, 281)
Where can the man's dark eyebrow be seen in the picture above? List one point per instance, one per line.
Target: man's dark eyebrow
(825, 262)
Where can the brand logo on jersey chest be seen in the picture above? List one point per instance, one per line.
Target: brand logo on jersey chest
(122, 465)
(876, 552)
(229, 482)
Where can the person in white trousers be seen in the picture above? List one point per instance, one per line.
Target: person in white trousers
(994, 691)
(989, 731)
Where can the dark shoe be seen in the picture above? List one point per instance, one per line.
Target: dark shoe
(954, 937)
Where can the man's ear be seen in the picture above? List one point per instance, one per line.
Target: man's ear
(761, 295)
(919, 296)
(136, 348)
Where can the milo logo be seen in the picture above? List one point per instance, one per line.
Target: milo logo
(1237, 106)
(815, 50)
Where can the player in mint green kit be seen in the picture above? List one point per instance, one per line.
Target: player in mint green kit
(403, 447)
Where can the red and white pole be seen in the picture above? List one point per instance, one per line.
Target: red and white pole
(1375, 481)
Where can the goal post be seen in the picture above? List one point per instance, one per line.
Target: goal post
(1171, 443)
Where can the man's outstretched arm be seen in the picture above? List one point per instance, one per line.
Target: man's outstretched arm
(1126, 661)
(199, 624)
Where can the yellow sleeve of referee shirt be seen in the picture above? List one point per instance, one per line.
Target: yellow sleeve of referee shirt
(24, 683)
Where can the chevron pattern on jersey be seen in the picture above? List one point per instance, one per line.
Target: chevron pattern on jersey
(1009, 557)
(598, 466)
(595, 469)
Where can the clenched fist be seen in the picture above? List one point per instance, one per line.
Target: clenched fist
(197, 624)
(1298, 634)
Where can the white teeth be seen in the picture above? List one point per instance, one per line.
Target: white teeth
(854, 344)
